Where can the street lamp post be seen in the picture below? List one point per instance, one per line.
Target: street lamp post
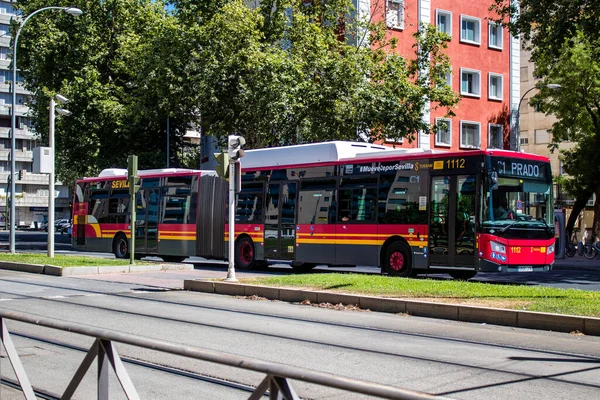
(13, 123)
(61, 111)
(553, 86)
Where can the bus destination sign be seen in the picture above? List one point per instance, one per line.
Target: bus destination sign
(519, 168)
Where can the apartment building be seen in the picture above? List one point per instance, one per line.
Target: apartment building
(31, 189)
(485, 68)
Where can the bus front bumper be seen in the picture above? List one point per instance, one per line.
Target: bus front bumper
(488, 266)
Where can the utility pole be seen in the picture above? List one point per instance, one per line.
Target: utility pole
(235, 152)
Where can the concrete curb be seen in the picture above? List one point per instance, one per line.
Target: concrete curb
(73, 271)
(456, 312)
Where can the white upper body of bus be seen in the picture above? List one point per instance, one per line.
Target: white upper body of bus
(121, 172)
(317, 153)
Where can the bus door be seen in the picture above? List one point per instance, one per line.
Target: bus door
(146, 224)
(451, 221)
(280, 221)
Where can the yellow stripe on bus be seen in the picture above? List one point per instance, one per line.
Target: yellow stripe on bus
(177, 238)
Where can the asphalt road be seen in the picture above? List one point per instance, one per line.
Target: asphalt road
(575, 273)
(458, 360)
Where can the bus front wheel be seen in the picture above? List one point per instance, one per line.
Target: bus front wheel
(244, 258)
(397, 260)
(121, 246)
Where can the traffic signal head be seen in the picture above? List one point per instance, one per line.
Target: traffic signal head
(223, 167)
(134, 184)
(234, 147)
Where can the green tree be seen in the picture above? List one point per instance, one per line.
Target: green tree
(282, 72)
(563, 37)
(577, 70)
(94, 60)
(287, 72)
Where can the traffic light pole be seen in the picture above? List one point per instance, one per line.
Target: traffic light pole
(231, 257)
(132, 178)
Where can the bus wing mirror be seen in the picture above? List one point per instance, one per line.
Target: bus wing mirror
(493, 180)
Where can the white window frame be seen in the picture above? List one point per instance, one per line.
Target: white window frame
(439, 143)
(394, 18)
(500, 35)
(470, 71)
(397, 141)
(476, 32)
(490, 96)
(448, 15)
(449, 76)
(490, 127)
(465, 146)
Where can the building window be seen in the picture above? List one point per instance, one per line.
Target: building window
(394, 15)
(444, 21)
(470, 134)
(470, 82)
(495, 86)
(470, 29)
(524, 141)
(495, 36)
(4, 52)
(495, 138)
(542, 136)
(443, 137)
(4, 30)
(392, 140)
(449, 79)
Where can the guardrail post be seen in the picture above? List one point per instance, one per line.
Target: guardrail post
(102, 373)
(119, 368)
(15, 361)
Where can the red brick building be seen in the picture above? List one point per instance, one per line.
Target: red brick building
(485, 67)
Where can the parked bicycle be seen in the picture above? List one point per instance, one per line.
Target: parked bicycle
(571, 246)
(591, 249)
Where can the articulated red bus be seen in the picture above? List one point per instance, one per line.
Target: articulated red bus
(179, 213)
(408, 211)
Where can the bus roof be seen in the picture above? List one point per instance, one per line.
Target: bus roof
(116, 173)
(340, 151)
(314, 153)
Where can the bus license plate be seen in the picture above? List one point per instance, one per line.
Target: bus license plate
(524, 269)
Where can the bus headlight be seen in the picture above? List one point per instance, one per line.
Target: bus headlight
(498, 247)
(550, 249)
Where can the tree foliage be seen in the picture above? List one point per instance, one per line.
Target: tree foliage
(281, 72)
(564, 38)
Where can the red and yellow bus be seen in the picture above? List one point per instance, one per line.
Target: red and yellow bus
(179, 213)
(408, 211)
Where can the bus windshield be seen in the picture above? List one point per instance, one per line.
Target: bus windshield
(518, 203)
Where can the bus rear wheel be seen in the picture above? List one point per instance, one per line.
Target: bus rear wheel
(121, 246)
(397, 260)
(462, 275)
(244, 257)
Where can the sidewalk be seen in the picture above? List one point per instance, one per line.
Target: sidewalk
(577, 263)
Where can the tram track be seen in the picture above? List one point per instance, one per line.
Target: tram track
(172, 371)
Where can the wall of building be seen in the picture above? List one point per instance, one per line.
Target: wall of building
(477, 56)
(31, 190)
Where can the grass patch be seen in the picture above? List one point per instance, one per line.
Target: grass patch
(521, 297)
(64, 261)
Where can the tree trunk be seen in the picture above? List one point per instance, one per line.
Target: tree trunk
(596, 225)
(579, 205)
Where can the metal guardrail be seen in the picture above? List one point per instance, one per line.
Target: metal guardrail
(104, 350)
